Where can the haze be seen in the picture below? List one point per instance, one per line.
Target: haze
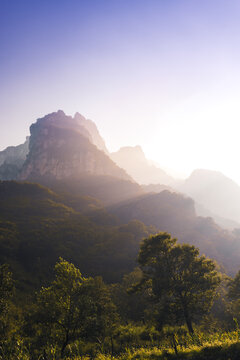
(161, 74)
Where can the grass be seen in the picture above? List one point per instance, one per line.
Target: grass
(225, 346)
(202, 346)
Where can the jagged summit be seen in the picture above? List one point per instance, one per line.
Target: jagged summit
(90, 126)
(61, 147)
(77, 123)
(61, 120)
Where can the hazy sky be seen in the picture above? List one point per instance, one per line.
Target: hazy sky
(164, 74)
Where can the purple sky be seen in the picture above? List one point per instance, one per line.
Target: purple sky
(164, 74)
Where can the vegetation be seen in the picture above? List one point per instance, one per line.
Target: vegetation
(182, 282)
(37, 226)
(72, 308)
(175, 213)
(76, 318)
(112, 296)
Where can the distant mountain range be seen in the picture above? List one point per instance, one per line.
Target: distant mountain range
(175, 213)
(64, 149)
(88, 188)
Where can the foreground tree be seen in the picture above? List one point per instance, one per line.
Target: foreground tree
(234, 296)
(182, 282)
(72, 307)
(130, 306)
(10, 341)
(6, 288)
(234, 288)
(6, 293)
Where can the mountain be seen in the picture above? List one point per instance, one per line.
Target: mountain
(81, 179)
(60, 148)
(92, 129)
(108, 189)
(223, 222)
(14, 154)
(200, 209)
(37, 226)
(157, 188)
(12, 159)
(175, 213)
(133, 160)
(166, 210)
(215, 192)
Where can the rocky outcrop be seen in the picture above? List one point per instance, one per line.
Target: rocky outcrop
(61, 148)
(92, 129)
(12, 160)
(14, 154)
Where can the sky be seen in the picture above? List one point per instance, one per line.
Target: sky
(163, 74)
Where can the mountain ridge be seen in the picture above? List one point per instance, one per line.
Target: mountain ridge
(64, 147)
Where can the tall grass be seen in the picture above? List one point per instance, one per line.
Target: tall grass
(139, 343)
(202, 346)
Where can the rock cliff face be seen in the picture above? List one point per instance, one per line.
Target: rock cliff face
(12, 159)
(90, 126)
(14, 154)
(61, 148)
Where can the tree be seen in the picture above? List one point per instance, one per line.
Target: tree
(182, 282)
(72, 307)
(234, 287)
(6, 293)
(7, 323)
(130, 306)
(234, 295)
(6, 288)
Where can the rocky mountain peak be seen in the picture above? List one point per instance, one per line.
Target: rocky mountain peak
(58, 120)
(61, 148)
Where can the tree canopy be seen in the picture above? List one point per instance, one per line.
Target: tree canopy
(73, 307)
(234, 296)
(182, 282)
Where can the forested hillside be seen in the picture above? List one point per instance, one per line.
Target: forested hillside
(38, 225)
(174, 212)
